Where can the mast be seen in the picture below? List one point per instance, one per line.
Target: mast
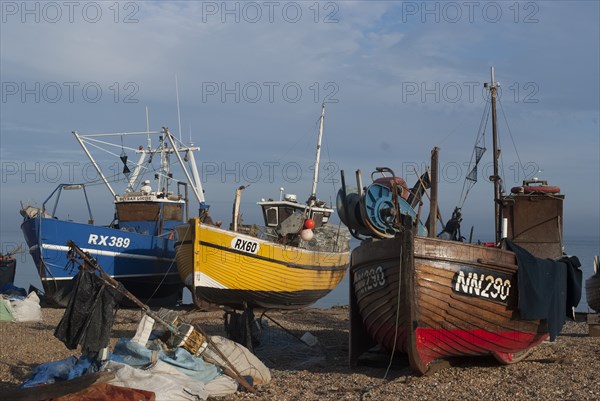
(313, 195)
(496, 155)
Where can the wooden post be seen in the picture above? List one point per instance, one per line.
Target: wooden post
(433, 202)
(236, 209)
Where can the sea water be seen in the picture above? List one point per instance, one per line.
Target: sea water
(583, 247)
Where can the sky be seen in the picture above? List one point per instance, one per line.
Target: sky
(397, 79)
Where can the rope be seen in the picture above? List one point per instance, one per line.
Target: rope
(168, 270)
(397, 314)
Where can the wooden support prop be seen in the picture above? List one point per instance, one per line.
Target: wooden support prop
(593, 321)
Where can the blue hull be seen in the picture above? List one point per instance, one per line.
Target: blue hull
(145, 264)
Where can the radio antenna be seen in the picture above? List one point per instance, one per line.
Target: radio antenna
(178, 112)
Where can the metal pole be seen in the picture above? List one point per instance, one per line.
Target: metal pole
(197, 191)
(94, 164)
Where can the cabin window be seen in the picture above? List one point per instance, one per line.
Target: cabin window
(138, 211)
(285, 212)
(173, 211)
(272, 216)
(318, 218)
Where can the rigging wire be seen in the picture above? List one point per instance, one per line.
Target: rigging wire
(500, 162)
(115, 178)
(479, 140)
(300, 138)
(330, 162)
(512, 138)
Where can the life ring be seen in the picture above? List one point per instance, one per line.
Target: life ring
(389, 182)
(533, 189)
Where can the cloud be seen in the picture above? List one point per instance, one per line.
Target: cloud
(400, 79)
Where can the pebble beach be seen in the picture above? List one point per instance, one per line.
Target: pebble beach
(566, 369)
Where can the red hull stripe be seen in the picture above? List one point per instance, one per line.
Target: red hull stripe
(433, 344)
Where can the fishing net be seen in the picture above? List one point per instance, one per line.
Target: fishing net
(283, 351)
(329, 239)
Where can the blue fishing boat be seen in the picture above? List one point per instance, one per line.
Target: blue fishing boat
(137, 248)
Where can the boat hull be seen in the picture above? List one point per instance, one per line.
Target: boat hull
(144, 264)
(434, 299)
(8, 266)
(592, 292)
(241, 271)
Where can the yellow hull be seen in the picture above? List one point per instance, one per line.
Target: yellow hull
(234, 269)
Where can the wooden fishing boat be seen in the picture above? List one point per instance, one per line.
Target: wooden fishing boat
(434, 297)
(8, 267)
(291, 262)
(592, 287)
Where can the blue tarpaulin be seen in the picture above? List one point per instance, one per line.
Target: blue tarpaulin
(136, 355)
(64, 369)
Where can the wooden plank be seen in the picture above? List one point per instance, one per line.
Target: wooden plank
(593, 321)
(593, 318)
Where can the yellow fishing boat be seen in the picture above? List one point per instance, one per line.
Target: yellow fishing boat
(239, 270)
(291, 262)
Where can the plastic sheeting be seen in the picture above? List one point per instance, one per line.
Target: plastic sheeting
(10, 289)
(163, 379)
(28, 309)
(61, 370)
(5, 311)
(245, 362)
(19, 308)
(136, 355)
(90, 313)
